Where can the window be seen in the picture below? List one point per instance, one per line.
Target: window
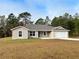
(20, 33)
(32, 33)
(44, 33)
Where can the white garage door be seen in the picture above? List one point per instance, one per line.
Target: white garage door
(61, 35)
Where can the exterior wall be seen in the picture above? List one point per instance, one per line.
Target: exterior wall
(51, 34)
(57, 35)
(15, 33)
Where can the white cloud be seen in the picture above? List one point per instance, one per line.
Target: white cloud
(51, 8)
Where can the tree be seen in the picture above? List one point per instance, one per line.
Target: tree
(11, 16)
(2, 26)
(70, 25)
(59, 21)
(76, 29)
(25, 15)
(76, 16)
(47, 21)
(40, 21)
(54, 21)
(76, 24)
(65, 21)
(25, 18)
(2, 32)
(66, 15)
(12, 22)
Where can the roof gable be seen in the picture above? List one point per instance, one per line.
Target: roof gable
(18, 28)
(60, 28)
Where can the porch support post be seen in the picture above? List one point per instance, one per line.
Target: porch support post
(36, 34)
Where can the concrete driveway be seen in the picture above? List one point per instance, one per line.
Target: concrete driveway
(75, 39)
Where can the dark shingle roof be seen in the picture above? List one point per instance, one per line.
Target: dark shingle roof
(33, 27)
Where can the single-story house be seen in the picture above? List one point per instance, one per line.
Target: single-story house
(39, 31)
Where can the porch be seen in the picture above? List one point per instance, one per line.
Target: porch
(39, 34)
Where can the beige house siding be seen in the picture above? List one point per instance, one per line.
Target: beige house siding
(51, 34)
(15, 33)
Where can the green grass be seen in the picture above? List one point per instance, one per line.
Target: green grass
(38, 49)
(10, 40)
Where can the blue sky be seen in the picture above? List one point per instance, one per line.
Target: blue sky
(39, 8)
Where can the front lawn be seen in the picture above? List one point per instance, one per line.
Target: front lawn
(38, 49)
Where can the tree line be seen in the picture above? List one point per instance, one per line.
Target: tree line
(70, 22)
(6, 24)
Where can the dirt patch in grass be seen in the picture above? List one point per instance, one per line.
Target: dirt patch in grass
(39, 49)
